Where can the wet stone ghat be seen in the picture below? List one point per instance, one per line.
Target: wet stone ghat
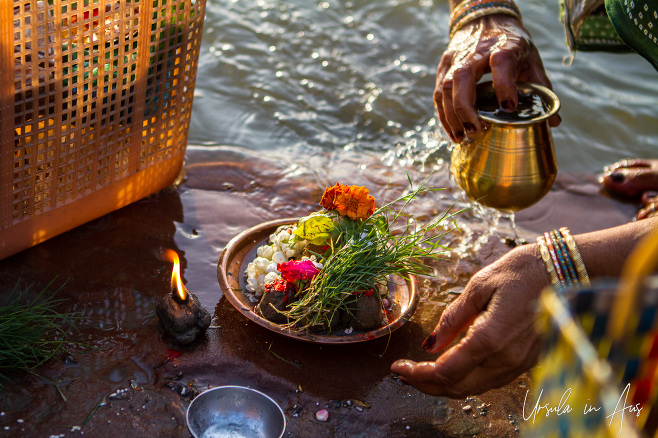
(132, 380)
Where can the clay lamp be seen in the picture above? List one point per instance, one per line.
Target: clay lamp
(180, 312)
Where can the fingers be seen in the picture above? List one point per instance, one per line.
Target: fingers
(648, 211)
(438, 105)
(463, 100)
(453, 122)
(440, 377)
(504, 66)
(535, 71)
(495, 373)
(631, 180)
(460, 380)
(461, 66)
(454, 98)
(455, 319)
(555, 121)
(627, 163)
(537, 74)
(443, 101)
(503, 72)
(415, 374)
(649, 197)
(650, 202)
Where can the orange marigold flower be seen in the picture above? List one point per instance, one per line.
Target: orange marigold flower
(330, 194)
(355, 203)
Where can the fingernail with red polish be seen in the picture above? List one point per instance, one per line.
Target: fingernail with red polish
(429, 342)
(617, 177)
(508, 105)
(470, 128)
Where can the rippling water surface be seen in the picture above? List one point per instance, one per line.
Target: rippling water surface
(310, 92)
(301, 78)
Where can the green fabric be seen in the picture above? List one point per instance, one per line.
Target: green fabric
(588, 27)
(597, 33)
(636, 22)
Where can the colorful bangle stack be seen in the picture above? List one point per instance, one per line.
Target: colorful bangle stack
(562, 259)
(468, 11)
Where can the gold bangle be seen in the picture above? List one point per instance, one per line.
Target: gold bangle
(469, 11)
(563, 255)
(467, 6)
(457, 9)
(576, 256)
(543, 250)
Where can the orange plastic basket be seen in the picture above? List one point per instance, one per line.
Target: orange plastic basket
(95, 105)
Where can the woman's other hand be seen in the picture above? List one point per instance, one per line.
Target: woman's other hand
(631, 177)
(499, 305)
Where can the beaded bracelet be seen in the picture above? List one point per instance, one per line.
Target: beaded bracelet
(468, 11)
(562, 259)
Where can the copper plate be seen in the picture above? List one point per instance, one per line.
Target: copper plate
(242, 249)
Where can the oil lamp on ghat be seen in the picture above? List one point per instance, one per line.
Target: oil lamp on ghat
(180, 312)
(511, 165)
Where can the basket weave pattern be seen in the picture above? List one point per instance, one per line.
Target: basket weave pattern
(95, 105)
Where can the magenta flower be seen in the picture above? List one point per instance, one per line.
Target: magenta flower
(297, 270)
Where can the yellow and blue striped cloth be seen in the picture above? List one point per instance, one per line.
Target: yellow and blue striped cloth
(586, 384)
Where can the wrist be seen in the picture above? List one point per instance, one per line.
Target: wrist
(562, 259)
(526, 262)
(538, 267)
(469, 11)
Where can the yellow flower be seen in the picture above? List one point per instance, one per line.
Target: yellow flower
(355, 202)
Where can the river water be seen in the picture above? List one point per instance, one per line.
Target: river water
(296, 79)
(342, 90)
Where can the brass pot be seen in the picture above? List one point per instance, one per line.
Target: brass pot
(511, 164)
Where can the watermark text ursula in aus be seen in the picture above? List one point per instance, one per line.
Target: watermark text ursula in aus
(565, 407)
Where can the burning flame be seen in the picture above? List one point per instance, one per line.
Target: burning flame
(176, 282)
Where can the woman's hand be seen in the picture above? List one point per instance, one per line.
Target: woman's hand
(498, 304)
(631, 177)
(495, 43)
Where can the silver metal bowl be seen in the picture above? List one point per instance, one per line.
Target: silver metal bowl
(235, 411)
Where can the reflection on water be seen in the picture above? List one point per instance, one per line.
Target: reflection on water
(315, 76)
(121, 310)
(334, 90)
(299, 79)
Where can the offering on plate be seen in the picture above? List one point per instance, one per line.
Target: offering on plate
(332, 268)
